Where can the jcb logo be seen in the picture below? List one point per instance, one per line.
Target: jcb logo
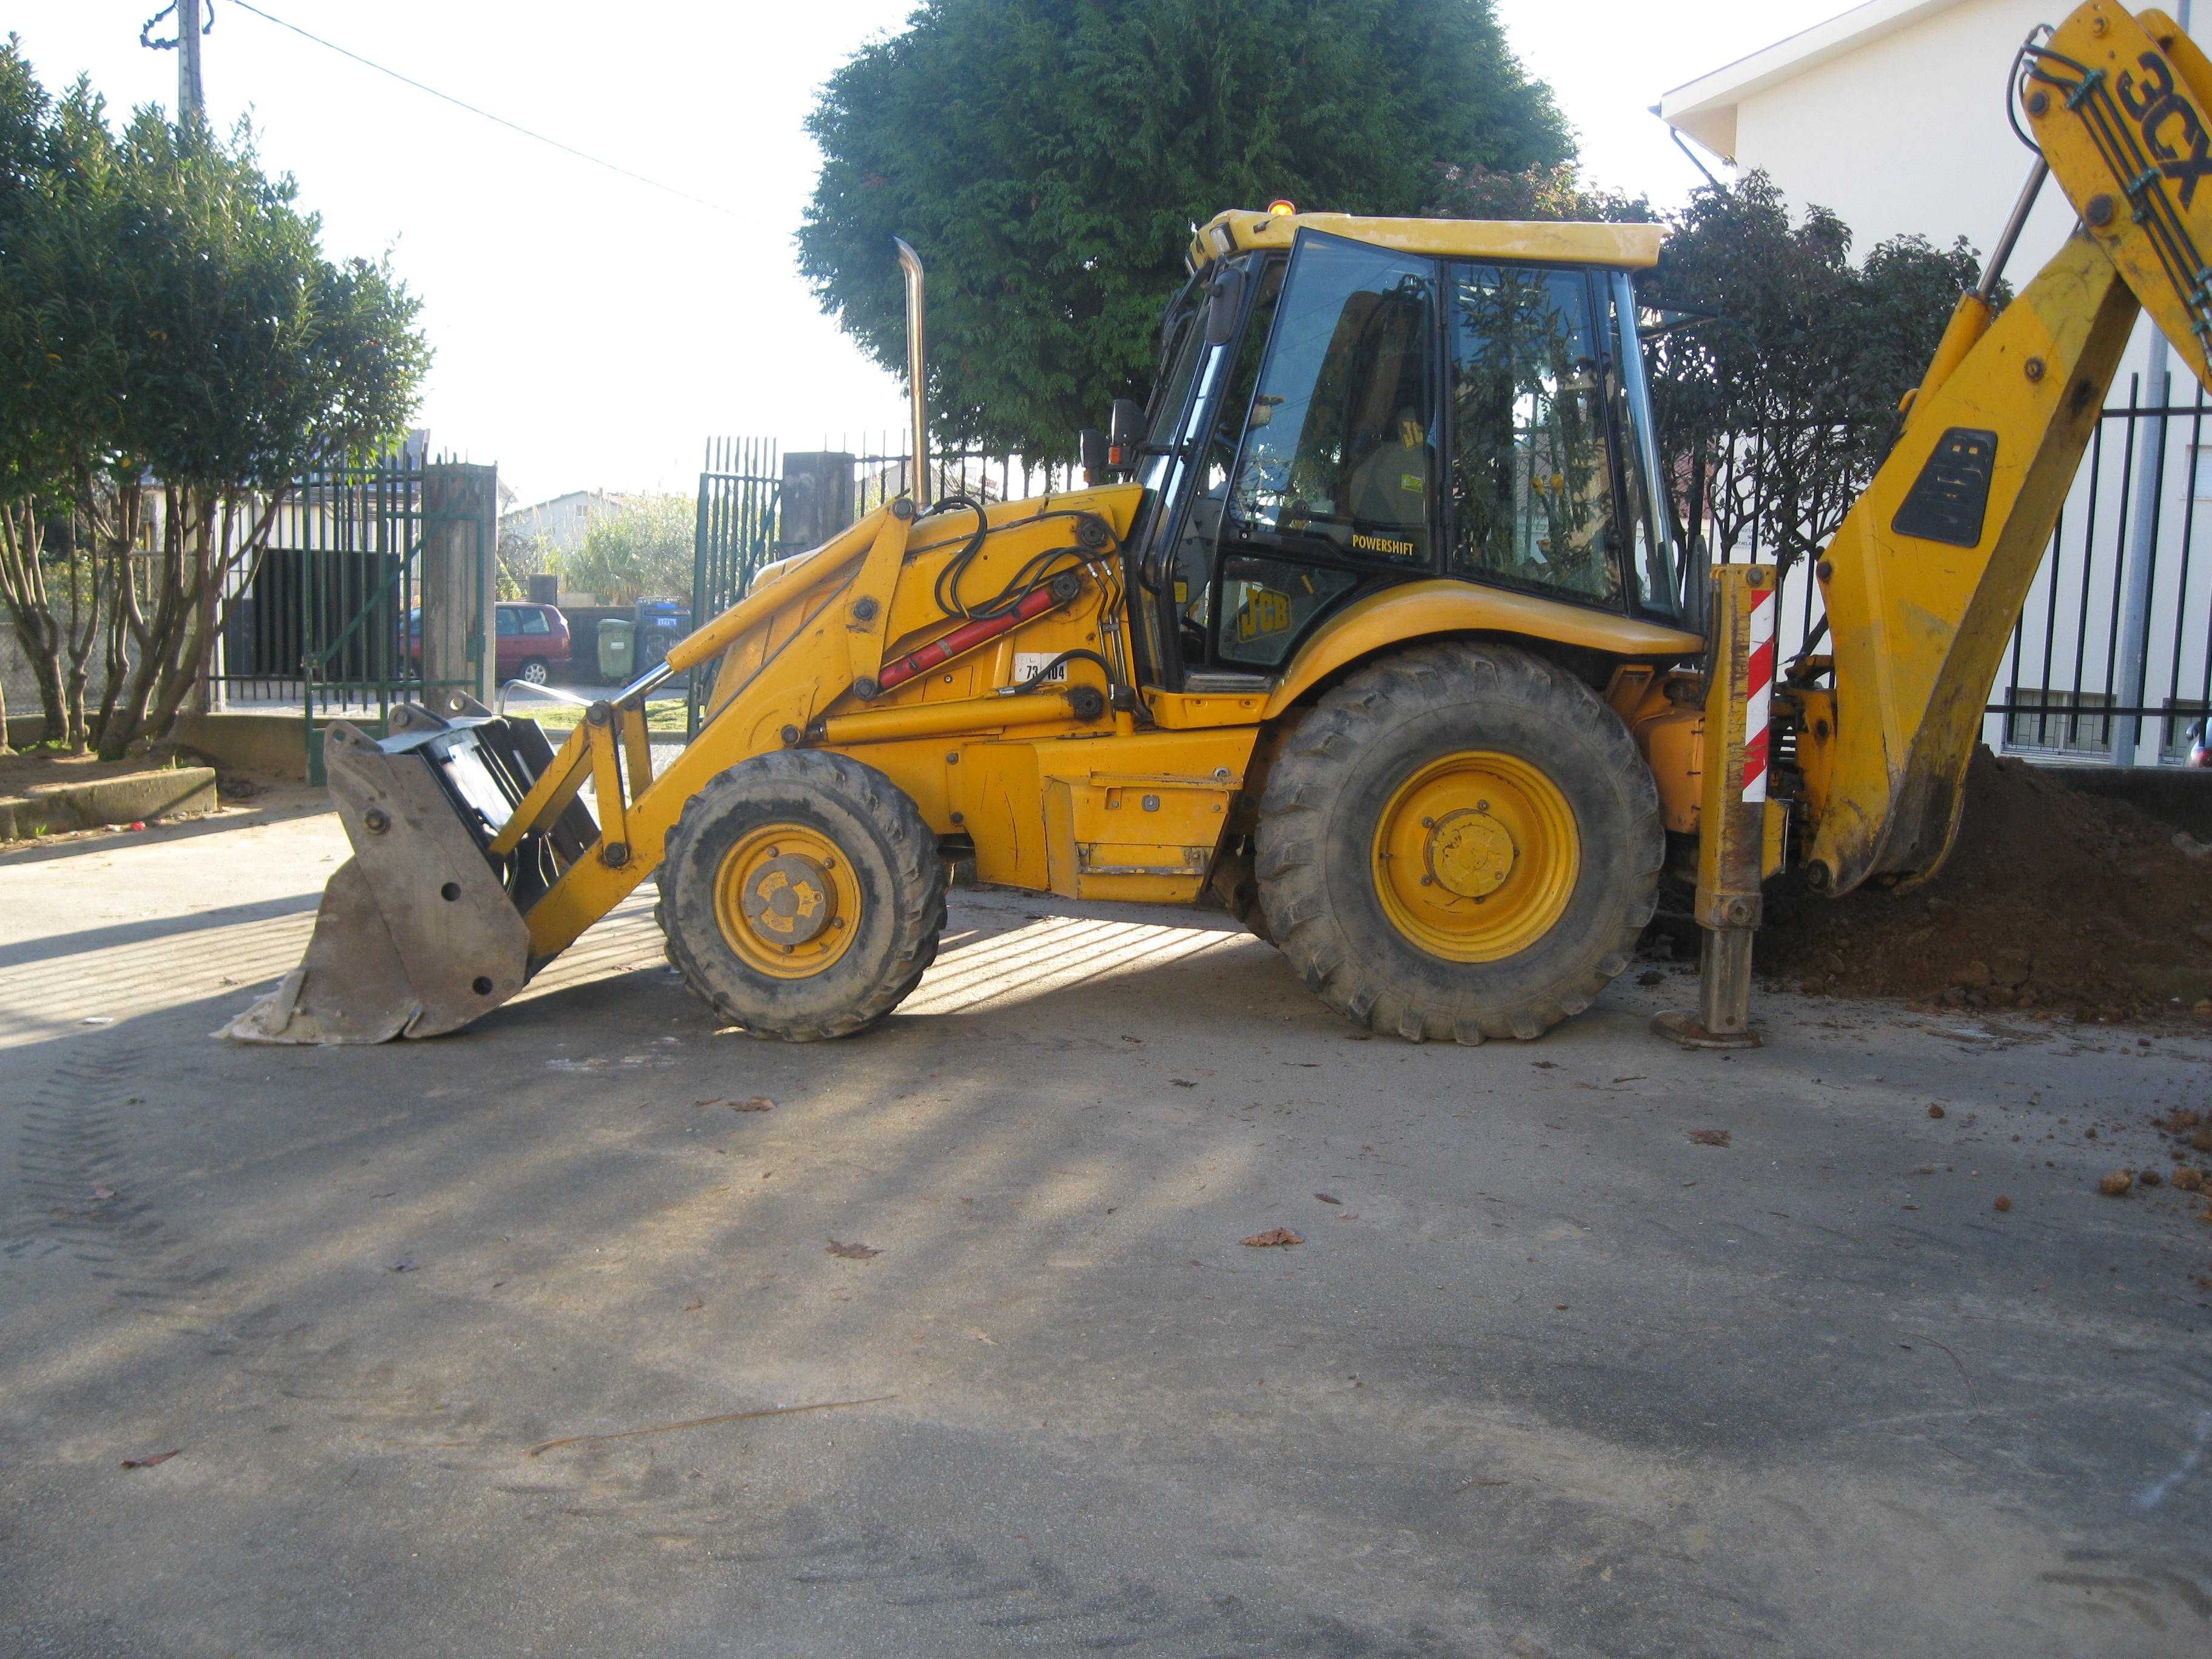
(1265, 612)
(2164, 117)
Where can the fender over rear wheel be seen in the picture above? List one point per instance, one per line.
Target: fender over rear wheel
(802, 896)
(1461, 840)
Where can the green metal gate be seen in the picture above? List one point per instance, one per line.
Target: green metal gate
(739, 489)
(331, 620)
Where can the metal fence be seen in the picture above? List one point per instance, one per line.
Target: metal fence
(328, 599)
(2110, 659)
(330, 621)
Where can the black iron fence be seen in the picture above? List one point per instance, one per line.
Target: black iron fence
(331, 619)
(329, 597)
(2111, 660)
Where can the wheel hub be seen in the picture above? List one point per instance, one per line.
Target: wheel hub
(788, 899)
(1471, 854)
(1476, 855)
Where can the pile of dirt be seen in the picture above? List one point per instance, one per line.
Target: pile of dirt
(2052, 899)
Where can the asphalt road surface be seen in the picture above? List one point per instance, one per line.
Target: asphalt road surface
(534, 1341)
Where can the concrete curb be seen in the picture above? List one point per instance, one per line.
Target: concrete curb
(172, 793)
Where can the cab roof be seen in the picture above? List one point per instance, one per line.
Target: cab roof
(1628, 248)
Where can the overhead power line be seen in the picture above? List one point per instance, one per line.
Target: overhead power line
(499, 120)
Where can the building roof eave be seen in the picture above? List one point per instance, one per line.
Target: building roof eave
(1704, 109)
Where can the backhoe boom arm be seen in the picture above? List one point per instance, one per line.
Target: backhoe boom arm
(1924, 580)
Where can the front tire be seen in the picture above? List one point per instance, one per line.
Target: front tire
(534, 670)
(802, 896)
(1461, 841)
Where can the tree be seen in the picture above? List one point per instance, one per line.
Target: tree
(1471, 190)
(1775, 393)
(642, 551)
(186, 355)
(1048, 160)
(521, 557)
(54, 161)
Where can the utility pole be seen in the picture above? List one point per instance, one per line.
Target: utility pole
(191, 101)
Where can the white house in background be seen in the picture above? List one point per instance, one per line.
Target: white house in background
(1892, 114)
(563, 520)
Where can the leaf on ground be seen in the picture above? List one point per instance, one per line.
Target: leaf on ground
(1710, 1137)
(406, 1265)
(103, 1191)
(1273, 1235)
(693, 1307)
(852, 1252)
(757, 1103)
(1326, 1198)
(1183, 1083)
(148, 1463)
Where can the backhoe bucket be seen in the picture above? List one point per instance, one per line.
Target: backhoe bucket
(417, 933)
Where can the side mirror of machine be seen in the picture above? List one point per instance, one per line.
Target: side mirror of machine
(1125, 427)
(1696, 589)
(1090, 444)
(1224, 304)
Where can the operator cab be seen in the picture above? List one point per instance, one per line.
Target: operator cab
(1345, 404)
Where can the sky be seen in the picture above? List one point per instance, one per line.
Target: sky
(592, 332)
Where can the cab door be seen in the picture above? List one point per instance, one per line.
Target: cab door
(1321, 474)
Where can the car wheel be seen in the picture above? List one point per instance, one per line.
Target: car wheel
(534, 672)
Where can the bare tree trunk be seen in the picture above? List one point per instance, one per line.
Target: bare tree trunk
(23, 586)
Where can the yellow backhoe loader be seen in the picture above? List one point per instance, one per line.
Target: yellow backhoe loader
(1369, 630)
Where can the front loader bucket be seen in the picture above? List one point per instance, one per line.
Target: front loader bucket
(417, 933)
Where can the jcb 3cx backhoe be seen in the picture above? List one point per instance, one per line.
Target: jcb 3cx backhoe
(1369, 630)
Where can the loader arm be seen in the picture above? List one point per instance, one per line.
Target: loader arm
(1924, 580)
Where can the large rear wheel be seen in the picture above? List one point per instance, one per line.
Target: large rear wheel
(802, 894)
(1461, 841)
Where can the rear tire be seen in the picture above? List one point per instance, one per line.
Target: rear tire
(1544, 889)
(534, 670)
(802, 896)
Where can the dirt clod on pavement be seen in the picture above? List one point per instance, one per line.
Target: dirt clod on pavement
(2116, 1184)
(2052, 898)
(2001, 1204)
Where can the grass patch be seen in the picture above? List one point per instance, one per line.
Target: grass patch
(664, 716)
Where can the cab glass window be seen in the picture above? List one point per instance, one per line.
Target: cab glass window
(1216, 455)
(1536, 500)
(1339, 457)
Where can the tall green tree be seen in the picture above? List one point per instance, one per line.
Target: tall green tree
(1049, 158)
(180, 353)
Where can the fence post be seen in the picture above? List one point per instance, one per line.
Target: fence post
(460, 529)
(817, 501)
(2139, 553)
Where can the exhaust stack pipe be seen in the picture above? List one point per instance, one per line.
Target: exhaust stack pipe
(917, 382)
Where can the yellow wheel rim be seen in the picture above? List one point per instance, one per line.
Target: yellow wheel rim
(787, 901)
(1476, 855)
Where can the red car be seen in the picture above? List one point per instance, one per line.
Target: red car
(533, 641)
